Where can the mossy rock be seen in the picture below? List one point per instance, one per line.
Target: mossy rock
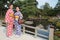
(57, 33)
(58, 24)
(52, 20)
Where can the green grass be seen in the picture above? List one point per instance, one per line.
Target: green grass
(56, 38)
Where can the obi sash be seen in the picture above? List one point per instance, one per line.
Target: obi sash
(16, 17)
(11, 15)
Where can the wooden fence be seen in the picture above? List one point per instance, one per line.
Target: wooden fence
(51, 31)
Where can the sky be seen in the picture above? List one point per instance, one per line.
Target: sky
(52, 3)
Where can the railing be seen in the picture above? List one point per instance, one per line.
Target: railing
(51, 31)
(35, 28)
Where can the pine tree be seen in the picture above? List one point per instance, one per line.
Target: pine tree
(58, 5)
(57, 8)
(4, 5)
(28, 7)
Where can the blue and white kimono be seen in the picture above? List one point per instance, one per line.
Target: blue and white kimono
(18, 16)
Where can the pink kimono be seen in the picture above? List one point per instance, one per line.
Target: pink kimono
(9, 20)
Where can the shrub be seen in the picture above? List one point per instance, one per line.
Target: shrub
(58, 24)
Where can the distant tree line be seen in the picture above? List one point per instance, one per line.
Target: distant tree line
(29, 8)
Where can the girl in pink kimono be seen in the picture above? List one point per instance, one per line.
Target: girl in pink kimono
(9, 19)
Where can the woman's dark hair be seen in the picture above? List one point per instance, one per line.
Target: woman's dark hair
(10, 5)
(18, 7)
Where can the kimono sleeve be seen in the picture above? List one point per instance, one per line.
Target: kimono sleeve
(7, 16)
(21, 15)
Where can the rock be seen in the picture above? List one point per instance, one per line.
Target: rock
(40, 26)
(29, 22)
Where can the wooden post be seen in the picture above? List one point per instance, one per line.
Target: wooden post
(23, 30)
(51, 33)
(0, 22)
(36, 32)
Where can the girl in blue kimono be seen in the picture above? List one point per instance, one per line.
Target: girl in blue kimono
(18, 16)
